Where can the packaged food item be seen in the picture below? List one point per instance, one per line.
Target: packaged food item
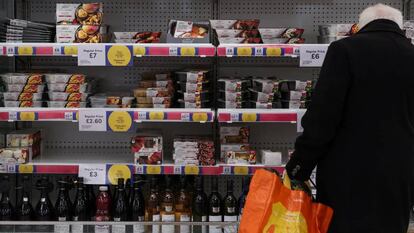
(232, 104)
(167, 105)
(18, 96)
(15, 155)
(233, 85)
(270, 158)
(79, 34)
(153, 100)
(64, 96)
(193, 150)
(249, 24)
(195, 96)
(147, 149)
(192, 76)
(153, 84)
(23, 138)
(23, 104)
(27, 88)
(259, 105)
(79, 13)
(275, 40)
(261, 97)
(239, 96)
(196, 104)
(66, 78)
(151, 92)
(266, 85)
(137, 37)
(194, 87)
(188, 32)
(234, 134)
(295, 85)
(233, 147)
(66, 104)
(293, 33)
(338, 29)
(294, 104)
(232, 33)
(296, 41)
(69, 88)
(271, 33)
(153, 158)
(296, 95)
(241, 157)
(21, 78)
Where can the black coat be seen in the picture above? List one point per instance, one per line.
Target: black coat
(359, 131)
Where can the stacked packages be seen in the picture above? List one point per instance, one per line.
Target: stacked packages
(235, 147)
(22, 31)
(79, 23)
(193, 151)
(23, 90)
(111, 100)
(154, 91)
(147, 149)
(21, 146)
(194, 89)
(67, 90)
(331, 32)
(296, 94)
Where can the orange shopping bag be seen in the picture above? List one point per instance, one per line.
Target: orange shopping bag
(273, 208)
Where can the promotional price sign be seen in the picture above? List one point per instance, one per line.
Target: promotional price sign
(92, 120)
(312, 55)
(91, 55)
(93, 173)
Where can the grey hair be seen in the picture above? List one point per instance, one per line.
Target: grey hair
(380, 11)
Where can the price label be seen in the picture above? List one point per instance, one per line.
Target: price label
(26, 168)
(92, 120)
(226, 170)
(91, 55)
(119, 121)
(271, 52)
(139, 169)
(185, 116)
(200, 117)
(25, 50)
(10, 50)
(142, 116)
(153, 169)
(70, 50)
(93, 173)
(229, 51)
(312, 55)
(173, 51)
(27, 116)
(12, 116)
(234, 117)
(11, 168)
(299, 116)
(259, 51)
(249, 117)
(188, 51)
(57, 50)
(241, 170)
(177, 170)
(244, 51)
(139, 51)
(192, 170)
(68, 116)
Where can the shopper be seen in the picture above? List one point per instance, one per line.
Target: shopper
(359, 128)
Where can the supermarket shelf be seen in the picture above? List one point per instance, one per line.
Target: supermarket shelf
(174, 115)
(258, 115)
(258, 50)
(37, 114)
(139, 50)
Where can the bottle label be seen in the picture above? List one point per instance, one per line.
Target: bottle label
(167, 218)
(77, 228)
(168, 208)
(230, 228)
(167, 228)
(102, 229)
(62, 228)
(25, 199)
(216, 210)
(204, 218)
(138, 228)
(117, 219)
(230, 218)
(231, 210)
(156, 218)
(215, 218)
(214, 229)
(42, 199)
(185, 228)
(118, 229)
(156, 228)
(75, 218)
(61, 219)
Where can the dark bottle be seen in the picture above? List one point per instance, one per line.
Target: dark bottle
(24, 209)
(44, 208)
(90, 196)
(214, 209)
(153, 207)
(167, 207)
(230, 207)
(137, 204)
(128, 189)
(183, 207)
(63, 207)
(120, 207)
(243, 196)
(6, 207)
(200, 206)
(80, 207)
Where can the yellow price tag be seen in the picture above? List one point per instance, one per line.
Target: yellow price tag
(118, 171)
(241, 170)
(191, 170)
(188, 51)
(120, 121)
(244, 51)
(77, 115)
(25, 50)
(249, 117)
(119, 55)
(25, 168)
(153, 170)
(200, 117)
(273, 52)
(139, 51)
(27, 116)
(70, 50)
(156, 116)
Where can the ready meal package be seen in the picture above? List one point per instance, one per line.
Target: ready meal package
(180, 31)
(79, 13)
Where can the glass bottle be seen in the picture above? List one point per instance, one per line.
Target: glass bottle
(183, 208)
(167, 207)
(120, 207)
(200, 207)
(153, 207)
(24, 209)
(63, 208)
(214, 209)
(230, 207)
(103, 208)
(137, 204)
(80, 207)
(243, 196)
(6, 207)
(44, 208)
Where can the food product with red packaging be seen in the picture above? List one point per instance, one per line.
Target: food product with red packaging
(234, 134)
(23, 78)
(240, 157)
(64, 96)
(147, 149)
(193, 150)
(66, 104)
(137, 37)
(66, 78)
(27, 88)
(23, 145)
(26, 96)
(249, 24)
(23, 104)
(180, 31)
(79, 13)
(80, 33)
(15, 155)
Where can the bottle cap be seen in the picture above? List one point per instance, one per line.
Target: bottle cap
(103, 188)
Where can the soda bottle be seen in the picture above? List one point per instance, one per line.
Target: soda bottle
(103, 208)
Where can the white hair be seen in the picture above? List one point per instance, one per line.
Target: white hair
(380, 11)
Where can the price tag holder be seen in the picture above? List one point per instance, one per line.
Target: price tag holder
(229, 51)
(69, 116)
(92, 173)
(185, 116)
(234, 117)
(12, 116)
(10, 50)
(177, 170)
(91, 55)
(57, 50)
(259, 51)
(139, 169)
(226, 170)
(312, 55)
(92, 120)
(173, 51)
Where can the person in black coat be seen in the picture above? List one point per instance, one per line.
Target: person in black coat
(359, 128)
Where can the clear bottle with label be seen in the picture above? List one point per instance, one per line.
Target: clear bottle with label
(44, 208)
(153, 207)
(63, 208)
(214, 209)
(230, 212)
(24, 209)
(183, 208)
(167, 207)
(103, 208)
(80, 207)
(200, 207)
(120, 208)
(137, 206)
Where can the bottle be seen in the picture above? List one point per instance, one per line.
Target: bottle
(63, 208)
(120, 208)
(90, 196)
(230, 207)
(128, 189)
(214, 209)
(44, 208)
(183, 208)
(153, 207)
(167, 207)
(6, 207)
(200, 207)
(80, 207)
(137, 204)
(24, 209)
(243, 196)
(103, 208)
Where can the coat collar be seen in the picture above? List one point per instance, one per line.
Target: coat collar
(382, 25)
